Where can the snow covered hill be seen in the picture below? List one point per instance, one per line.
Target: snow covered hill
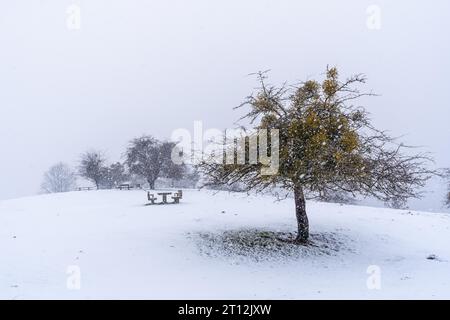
(216, 246)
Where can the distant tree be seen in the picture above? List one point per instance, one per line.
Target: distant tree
(149, 158)
(339, 196)
(176, 173)
(59, 178)
(170, 169)
(397, 203)
(92, 167)
(186, 176)
(447, 200)
(325, 143)
(113, 176)
(192, 176)
(235, 187)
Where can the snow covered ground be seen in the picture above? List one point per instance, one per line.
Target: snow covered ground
(215, 246)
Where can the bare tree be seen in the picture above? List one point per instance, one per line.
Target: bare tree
(59, 178)
(92, 167)
(326, 144)
(447, 198)
(113, 175)
(149, 158)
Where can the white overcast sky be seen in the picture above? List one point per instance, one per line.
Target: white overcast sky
(151, 67)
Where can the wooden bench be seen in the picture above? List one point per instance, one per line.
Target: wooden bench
(176, 199)
(85, 188)
(151, 197)
(128, 186)
(177, 196)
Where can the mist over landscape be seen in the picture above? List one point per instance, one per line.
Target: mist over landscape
(136, 68)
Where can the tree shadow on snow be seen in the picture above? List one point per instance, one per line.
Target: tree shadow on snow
(265, 245)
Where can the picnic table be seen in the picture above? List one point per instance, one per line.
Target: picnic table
(176, 197)
(164, 196)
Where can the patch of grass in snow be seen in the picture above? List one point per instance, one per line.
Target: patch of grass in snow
(265, 245)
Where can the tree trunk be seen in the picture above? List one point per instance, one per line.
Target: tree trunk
(151, 183)
(302, 218)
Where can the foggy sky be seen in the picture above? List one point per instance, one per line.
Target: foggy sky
(138, 67)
